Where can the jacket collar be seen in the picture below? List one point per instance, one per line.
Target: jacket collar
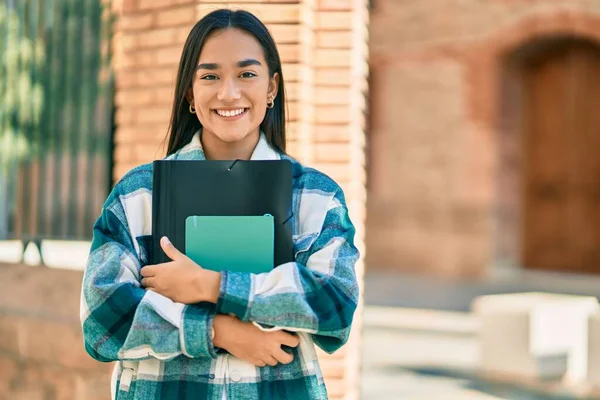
(193, 150)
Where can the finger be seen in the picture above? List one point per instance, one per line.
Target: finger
(259, 363)
(288, 339)
(154, 270)
(170, 250)
(147, 282)
(283, 357)
(149, 270)
(270, 360)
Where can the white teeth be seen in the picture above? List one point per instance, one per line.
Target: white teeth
(230, 113)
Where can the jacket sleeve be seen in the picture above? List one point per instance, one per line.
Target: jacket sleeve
(318, 293)
(120, 319)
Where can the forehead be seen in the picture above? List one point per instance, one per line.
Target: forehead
(230, 46)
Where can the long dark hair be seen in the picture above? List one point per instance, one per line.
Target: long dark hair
(183, 124)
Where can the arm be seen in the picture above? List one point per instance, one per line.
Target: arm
(317, 294)
(121, 320)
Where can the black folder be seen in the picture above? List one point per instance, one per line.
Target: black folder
(182, 188)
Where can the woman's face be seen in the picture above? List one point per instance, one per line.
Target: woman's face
(231, 87)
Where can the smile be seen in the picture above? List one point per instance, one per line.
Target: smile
(229, 114)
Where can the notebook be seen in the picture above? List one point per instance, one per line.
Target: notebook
(183, 188)
(232, 243)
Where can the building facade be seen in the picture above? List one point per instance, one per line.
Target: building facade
(483, 136)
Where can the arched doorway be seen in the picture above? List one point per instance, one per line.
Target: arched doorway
(556, 84)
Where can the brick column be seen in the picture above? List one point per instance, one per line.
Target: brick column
(147, 44)
(340, 87)
(322, 44)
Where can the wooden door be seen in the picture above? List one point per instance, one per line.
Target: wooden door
(562, 160)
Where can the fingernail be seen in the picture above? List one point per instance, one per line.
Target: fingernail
(166, 241)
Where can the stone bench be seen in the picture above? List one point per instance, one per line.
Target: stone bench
(535, 335)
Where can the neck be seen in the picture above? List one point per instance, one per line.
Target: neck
(216, 149)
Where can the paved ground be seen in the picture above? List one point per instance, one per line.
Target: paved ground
(395, 364)
(407, 360)
(424, 347)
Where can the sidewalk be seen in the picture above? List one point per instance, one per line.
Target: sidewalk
(420, 340)
(396, 355)
(405, 357)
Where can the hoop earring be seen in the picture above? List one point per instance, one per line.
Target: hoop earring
(271, 103)
(192, 109)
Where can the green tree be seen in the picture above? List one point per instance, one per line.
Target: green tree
(21, 99)
(56, 91)
(21, 89)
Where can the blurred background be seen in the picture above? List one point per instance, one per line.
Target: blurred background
(466, 137)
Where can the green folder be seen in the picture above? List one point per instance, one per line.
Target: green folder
(232, 243)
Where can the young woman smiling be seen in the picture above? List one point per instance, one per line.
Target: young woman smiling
(178, 331)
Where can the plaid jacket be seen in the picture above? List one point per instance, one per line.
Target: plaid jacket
(164, 349)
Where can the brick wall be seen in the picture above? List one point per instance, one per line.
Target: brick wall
(322, 44)
(41, 348)
(442, 196)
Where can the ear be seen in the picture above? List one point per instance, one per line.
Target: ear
(189, 95)
(273, 85)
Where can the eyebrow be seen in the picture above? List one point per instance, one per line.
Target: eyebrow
(240, 64)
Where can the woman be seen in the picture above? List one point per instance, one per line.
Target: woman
(179, 331)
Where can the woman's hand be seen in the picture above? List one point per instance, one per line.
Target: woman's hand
(249, 343)
(181, 280)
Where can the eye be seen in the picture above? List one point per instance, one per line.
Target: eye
(210, 77)
(247, 75)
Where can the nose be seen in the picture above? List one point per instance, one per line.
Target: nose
(228, 91)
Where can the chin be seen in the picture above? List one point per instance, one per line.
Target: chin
(233, 135)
